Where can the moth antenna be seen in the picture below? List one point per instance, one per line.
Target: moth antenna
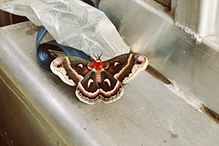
(92, 59)
(100, 55)
(95, 56)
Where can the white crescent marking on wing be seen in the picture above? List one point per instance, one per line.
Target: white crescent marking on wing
(80, 65)
(90, 81)
(108, 82)
(116, 63)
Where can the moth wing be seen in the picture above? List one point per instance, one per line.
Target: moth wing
(116, 64)
(70, 69)
(88, 89)
(110, 88)
(125, 67)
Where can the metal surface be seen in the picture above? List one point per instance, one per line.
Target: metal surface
(37, 108)
(149, 30)
(204, 19)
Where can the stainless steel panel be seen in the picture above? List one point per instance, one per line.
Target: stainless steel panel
(151, 31)
(20, 123)
(45, 111)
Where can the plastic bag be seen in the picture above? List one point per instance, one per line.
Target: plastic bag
(72, 23)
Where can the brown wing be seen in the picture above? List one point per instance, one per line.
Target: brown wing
(70, 69)
(125, 67)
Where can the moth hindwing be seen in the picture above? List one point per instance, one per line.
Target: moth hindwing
(96, 80)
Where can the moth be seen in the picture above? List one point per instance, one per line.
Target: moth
(96, 80)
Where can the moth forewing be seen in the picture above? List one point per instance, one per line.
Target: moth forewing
(60, 71)
(134, 64)
(136, 69)
(62, 68)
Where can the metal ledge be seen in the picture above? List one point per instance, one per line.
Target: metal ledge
(38, 109)
(175, 53)
(148, 115)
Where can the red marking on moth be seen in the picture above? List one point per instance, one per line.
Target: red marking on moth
(88, 94)
(111, 70)
(112, 92)
(58, 62)
(85, 71)
(55, 63)
(98, 65)
(141, 59)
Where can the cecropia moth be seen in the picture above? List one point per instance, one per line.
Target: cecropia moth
(96, 80)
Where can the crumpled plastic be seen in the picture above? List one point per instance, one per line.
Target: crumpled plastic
(72, 23)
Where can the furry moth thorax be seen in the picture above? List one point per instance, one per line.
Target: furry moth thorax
(96, 80)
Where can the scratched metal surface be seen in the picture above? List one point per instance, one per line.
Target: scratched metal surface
(147, 114)
(146, 28)
(37, 108)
